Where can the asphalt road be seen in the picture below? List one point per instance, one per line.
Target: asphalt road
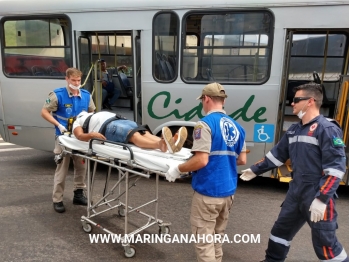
(30, 230)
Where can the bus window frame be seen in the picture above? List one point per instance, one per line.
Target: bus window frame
(220, 11)
(153, 47)
(67, 34)
(322, 32)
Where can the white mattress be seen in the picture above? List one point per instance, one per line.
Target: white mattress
(148, 158)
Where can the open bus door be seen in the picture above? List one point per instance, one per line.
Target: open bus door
(84, 62)
(84, 59)
(319, 56)
(116, 48)
(137, 76)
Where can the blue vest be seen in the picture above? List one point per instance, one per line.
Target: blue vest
(219, 177)
(69, 106)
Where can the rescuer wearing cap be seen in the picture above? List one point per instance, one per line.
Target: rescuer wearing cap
(218, 147)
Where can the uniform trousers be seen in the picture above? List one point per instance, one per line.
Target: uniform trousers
(62, 171)
(209, 216)
(294, 214)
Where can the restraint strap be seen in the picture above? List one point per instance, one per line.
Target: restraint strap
(86, 124)
(140, 129)
(105, 124)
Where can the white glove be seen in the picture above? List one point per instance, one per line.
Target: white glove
(247, 174)
(62, 128)
(317, 209)
(172, 173)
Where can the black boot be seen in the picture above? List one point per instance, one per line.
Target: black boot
(59, 207)
(79, 198)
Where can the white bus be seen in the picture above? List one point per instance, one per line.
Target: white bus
(257, 49)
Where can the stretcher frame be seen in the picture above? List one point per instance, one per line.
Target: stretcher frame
(125, 172)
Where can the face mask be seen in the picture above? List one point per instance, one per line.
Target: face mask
(74, 87)
(301, 113)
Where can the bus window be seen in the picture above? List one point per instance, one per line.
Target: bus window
(308, 55)
(36, 47)
(232, 47)
(114, 49)
(320, 58)
(165, 46)
(190, 65)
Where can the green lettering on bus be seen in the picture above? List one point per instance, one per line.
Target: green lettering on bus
(197, 110)
(241, 112)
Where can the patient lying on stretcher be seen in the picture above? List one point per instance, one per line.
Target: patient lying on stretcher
(108, 126)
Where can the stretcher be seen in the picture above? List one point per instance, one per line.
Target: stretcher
(132, 164)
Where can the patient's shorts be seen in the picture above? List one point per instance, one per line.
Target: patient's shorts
(118, 130)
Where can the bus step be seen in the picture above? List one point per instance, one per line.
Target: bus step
(284, 173)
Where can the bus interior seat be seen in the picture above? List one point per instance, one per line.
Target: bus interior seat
(53, 71)
(172, 60)
(39, 71)
(326, 102)
(23, 71)
(169, 67)
(10, 71)
(126, 86)
(164, 67)
(161, 72)
(209, 74)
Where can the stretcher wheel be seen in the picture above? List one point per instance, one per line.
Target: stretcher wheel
(87, 228)
(121, 212)
(164, 230)
(130, 251)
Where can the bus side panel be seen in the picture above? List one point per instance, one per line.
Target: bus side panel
(22, 101)
(2, 131)
(40, 138)
(256, 153)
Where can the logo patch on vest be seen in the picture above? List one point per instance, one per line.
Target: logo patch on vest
(68, 105)
(197, 132)
(230, 133)
(337, 142)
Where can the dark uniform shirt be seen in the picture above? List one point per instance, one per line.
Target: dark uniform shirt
(316, 151)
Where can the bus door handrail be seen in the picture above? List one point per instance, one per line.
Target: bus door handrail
(342, 102)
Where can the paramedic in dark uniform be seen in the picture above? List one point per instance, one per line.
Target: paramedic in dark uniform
(218, 147)
(61, 105)
(316, 150)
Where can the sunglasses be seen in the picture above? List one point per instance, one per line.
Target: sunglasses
(298, 99)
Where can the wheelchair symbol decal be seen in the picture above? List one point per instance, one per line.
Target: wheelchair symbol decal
(263, 133)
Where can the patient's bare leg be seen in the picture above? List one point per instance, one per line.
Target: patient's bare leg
(147, 141)
(151, 137)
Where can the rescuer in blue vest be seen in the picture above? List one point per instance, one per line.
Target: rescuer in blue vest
(60, 109)
(316, 150)
(218, 147)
